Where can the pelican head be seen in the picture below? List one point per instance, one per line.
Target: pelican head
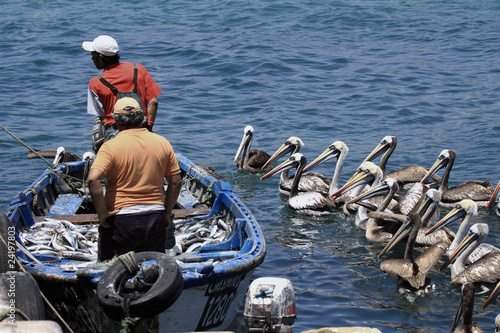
(246, 142)
(59, 155)
(447, 156)
(476, 234)
(366, 173)
(466, 208)
(334, 150)
(384, 145)
(88, 156)
(292, 162)
(292, 145)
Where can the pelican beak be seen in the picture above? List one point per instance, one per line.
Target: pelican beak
(440, 163)
(453, 215)
(402, 232)
(359, 178)
(244, 142)
(494, 196)
(381, 148)
(460, 310)
(288, 164)
(381, 189)
(461, 248)
(329, 153)
(284, 149)
(492, 296)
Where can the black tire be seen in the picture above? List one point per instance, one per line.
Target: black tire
(157, 299)
(23, 293)
(8, 258)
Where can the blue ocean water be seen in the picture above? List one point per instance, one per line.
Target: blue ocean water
(426, 71)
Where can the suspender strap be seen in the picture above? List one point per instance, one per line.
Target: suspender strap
(113, 88)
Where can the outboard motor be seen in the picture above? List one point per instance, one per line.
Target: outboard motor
(270, 306)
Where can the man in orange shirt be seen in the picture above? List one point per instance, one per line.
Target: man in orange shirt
(135, 212)
(120, 75)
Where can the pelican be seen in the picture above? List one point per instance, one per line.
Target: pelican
(465, 209)
(382, 223)
(466, 308)
(494, 197)
(308, 203)
(404, 176)
(336, 149)
(310, 181)
(251, 160)
(412, 273)
(484, 271)
(473, 189)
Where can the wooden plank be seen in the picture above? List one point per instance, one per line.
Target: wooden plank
(92, 218)
(65, 204)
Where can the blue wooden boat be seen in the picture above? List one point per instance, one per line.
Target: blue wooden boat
(215, 277)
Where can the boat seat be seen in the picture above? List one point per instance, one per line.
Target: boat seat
(65, 204)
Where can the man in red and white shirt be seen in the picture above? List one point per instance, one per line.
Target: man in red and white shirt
(101, 99)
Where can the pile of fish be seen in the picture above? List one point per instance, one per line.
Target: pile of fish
(60, 239)
(191, 234)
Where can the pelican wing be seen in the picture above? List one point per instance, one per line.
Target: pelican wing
(442, 235)
(430, 257)
(485, 270)
(411, 174)
(473, 189)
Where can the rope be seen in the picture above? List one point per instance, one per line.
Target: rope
(31, 149)
(129, 262)
(127, 322)
(4, 314)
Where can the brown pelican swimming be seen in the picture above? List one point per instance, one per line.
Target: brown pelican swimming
(60, 155)
(466, 209)
(411, 272)
(465, 310)
(473, 189)
(251, 160)
(494, 197)
(382, 223)
(309, 203)
(484, 271)
(310, 181)
(404, 176)
(339, 150)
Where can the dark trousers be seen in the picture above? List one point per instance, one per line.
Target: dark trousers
(132, 232)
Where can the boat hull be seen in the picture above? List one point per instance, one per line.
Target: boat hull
(215, 278)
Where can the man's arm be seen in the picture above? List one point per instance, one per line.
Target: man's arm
(94, 179)
(173, 190)
(152, 109)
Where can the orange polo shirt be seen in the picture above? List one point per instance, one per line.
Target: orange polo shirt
(134, 164)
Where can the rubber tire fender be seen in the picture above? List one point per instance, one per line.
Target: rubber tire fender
(157, 299)
(6, 258)
(23, 291)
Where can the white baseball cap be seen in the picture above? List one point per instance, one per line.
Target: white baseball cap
(105, 45)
